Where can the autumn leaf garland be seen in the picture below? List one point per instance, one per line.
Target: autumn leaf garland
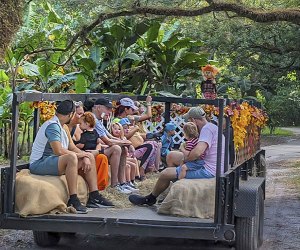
(245, 119)
(47, 109)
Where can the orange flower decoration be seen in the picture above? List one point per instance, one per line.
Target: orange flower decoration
(47, 109)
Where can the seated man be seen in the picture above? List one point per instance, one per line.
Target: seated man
(207, 144)
(115, 152)
(53, 154)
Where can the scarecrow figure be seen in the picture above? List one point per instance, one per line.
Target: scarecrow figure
(208, 85)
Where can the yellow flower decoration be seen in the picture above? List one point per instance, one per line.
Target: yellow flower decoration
(246, 121)
(47, 109)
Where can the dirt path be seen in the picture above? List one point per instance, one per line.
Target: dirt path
(282, 207)
(282, 204)
(282, 210)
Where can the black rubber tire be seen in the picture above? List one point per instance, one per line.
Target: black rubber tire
(249, 230)
(46, 239)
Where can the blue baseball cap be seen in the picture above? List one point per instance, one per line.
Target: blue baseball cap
(170, 126)
(124, 121)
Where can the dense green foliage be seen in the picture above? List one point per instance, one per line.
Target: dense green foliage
(132, 55)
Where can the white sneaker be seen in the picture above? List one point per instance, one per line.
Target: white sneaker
(122, 189)
(127, 187)
(132, 184)
(131, 187)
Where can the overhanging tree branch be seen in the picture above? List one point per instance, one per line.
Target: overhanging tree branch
(257, 15)
(73, 53)
(274, 49)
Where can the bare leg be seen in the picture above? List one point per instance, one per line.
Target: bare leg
(114, 155)
(174, 159)
(133, 163)
(68, 165)
(182, 172)
(142, 172)
(127, 172)
(157, 159)
(91, 175)
(122, 165)
(163, 181)
(137, 169)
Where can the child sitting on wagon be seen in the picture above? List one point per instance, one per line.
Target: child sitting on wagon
(89, 139)
(191, 134)
(131, 169)
(167, 142)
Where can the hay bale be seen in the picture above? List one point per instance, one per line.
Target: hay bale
(10, 21)
(190, 198)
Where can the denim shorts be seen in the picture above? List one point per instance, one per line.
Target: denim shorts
(196, 170)
(47, 165)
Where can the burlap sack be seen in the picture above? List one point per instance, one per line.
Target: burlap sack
(190, 198)
(37, 194)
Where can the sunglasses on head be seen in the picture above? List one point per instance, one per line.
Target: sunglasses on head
(78, 104)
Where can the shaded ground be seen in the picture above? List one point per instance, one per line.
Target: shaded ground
(282, 209)
(282, 206)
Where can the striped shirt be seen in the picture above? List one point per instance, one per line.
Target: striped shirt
(190, 144)
(99, 127)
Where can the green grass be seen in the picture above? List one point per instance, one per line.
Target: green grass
(6, 162)
(295, 180)
(3, 161)
(277, 132)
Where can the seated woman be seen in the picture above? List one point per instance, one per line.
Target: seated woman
(148, 152)
(101, 159)
(73, 124)
(126, 107)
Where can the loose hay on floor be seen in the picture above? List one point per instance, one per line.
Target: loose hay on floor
(121, 200)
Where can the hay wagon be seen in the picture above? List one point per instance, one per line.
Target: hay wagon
(239, 193)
